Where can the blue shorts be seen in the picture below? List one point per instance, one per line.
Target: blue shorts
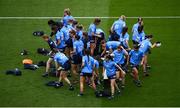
(122, 66)
(76, 59)
(112, 77)
(86, 74)
(91, 39)
(69, 43)
(134, 66)
(66, 66)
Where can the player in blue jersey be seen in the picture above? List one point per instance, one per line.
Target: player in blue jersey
(92, 34)
(52, 45)
(136, 59)
(135, 26)
(76, 54)
(62, 66)
(67, 16)
(110, 66)
(59, 38)
(120, 58)
(138, 36)
(145, 46)
(79, 31)
(124, 38)
(87, 71)
(116, 28)
(110, 46)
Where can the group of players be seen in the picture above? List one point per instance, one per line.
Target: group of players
(81, 52)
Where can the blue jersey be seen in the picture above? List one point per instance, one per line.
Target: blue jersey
(78, 46)
(145, 45)
(112, 45)
(96, 63)
(119, 56)
(135, 28)
(88, 64)
(66, 19)
(80, 34)
(60, 36)
(92, 29)
(110, 67)
(123, 40)
(60, 58)
(65, 31)
(138, 37)
(135, 57)
(118, 26)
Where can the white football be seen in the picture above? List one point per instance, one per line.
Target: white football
(158, 45)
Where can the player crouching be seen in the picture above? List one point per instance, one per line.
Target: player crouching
(62, 65)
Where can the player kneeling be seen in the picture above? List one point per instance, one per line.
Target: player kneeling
(136, 58)
(62, 66)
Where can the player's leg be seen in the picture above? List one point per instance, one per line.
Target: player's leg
(145, 66)
(93, 83)
(82, 78)
(122, 76)
(74, 65)
(67, 80)
(112, 83)
(136, 77)
(92, 48)
(48, 64)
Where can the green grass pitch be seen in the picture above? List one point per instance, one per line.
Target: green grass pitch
(160, 89)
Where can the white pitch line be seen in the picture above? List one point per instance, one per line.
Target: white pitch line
(146, 17)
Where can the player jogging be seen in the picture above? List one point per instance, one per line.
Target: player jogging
(136, 58)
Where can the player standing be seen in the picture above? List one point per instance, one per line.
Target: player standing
(116, 28)
(87, 71)
(92, 34)
(145, 46)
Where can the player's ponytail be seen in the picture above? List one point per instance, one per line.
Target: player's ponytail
(87, 52)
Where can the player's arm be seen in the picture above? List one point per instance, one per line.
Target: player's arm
(127, 56)
(103, 72)
(96, 35)
(127, 43)
(154, 45)
(142, 61)
(83, 61)
(104, 51)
